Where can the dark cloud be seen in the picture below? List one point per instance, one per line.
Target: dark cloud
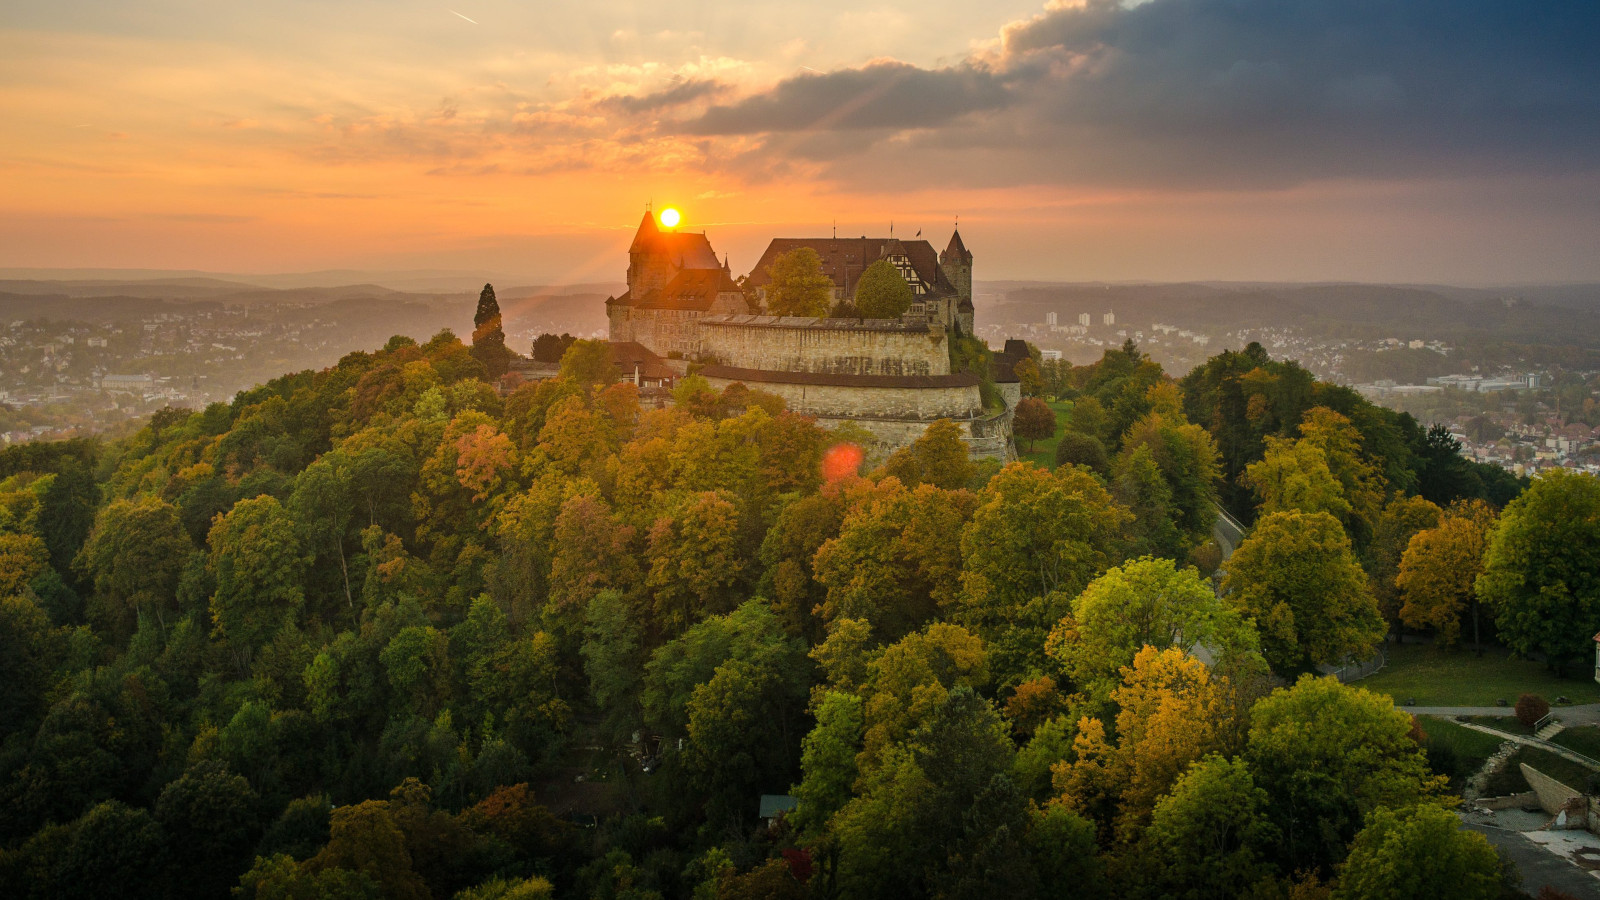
(883, 95)
(679, 94)
(1222, 93)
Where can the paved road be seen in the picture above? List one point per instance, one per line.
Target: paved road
(1583, 714)
(1540, 867)
(1228, 533)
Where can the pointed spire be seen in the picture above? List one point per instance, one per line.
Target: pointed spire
(956, 251)
(645, 237)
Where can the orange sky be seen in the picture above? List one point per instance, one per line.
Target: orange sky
(401, 135)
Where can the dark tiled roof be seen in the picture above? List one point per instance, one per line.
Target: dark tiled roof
(631, 355)
(1003, 363)
(956, 250)
(686, 249)
(844, 259)
(769, 376)
(689, 289)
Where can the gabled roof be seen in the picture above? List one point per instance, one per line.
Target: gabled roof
(631, 356)
(686, 249)
(646, 235)
(844, 259)
(695, 289)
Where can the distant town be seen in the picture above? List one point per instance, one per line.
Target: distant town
(1522, 419)
(65, 377)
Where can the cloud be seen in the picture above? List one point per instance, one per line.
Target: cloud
(880, 95)
(678, 94)
(1212, 94)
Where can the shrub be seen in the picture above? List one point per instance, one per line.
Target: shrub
(1530, 709)
(1077, 448)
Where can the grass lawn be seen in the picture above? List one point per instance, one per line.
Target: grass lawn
(1436, 677)
(1509, 779)
(1044, 452)
(1456, 751)
(1508, 724)
(1585, 739)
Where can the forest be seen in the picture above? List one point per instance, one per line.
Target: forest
(385, 630)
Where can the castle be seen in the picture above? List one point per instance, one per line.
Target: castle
(890, 376)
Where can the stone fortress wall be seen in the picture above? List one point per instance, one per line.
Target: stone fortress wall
(833, 346)
(889, 377)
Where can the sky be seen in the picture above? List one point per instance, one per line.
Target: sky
(1453, 141)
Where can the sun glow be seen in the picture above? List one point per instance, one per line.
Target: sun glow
(669, 217)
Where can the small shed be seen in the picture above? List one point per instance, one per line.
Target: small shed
(775, 805)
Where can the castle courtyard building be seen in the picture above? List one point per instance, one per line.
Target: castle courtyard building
(891, 377)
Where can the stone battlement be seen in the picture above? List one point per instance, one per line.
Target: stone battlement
(875, 347)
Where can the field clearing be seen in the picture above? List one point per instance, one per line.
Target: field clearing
(1434, 677)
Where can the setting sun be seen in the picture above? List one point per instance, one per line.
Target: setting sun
(669, 217)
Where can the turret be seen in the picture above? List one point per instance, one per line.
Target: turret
(956, 262)
(648, 265)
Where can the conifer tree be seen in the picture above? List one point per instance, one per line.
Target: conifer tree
(488, 338)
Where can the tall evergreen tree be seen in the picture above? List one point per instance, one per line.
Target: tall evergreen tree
(488, 338)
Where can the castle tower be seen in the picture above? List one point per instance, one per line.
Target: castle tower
(956, 261)
(649, 264)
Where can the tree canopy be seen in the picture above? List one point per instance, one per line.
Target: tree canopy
(882, 292)
(798, 286)
(400, 628)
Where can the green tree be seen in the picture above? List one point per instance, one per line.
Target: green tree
(1145, 603)
(135, 555)
(613, 657)
(1296, 578)
(1035, 541)
(911, 677)
(1034, 420)
(1541, 571)
(750, 634)
(798, 286)
(417, 663)
(1294, 476)
(1186, 457)
(893, 563)
(1078, 449)
(1209, 838)
(588, 363)
(29, 653)
(210, 818)
(898, 838)
(695, 562)
(112, 850)
(280, 877)
(741, 736)
(882, 292)
(488, 337)
(938, 456)
(828, 760)
(1419, 853)
(259, 568)
(1327, 755)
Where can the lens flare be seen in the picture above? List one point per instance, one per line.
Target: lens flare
(669, 217)
(840, 461)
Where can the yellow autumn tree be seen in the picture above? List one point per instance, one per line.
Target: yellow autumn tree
(1439, 569)
(1170, 714)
